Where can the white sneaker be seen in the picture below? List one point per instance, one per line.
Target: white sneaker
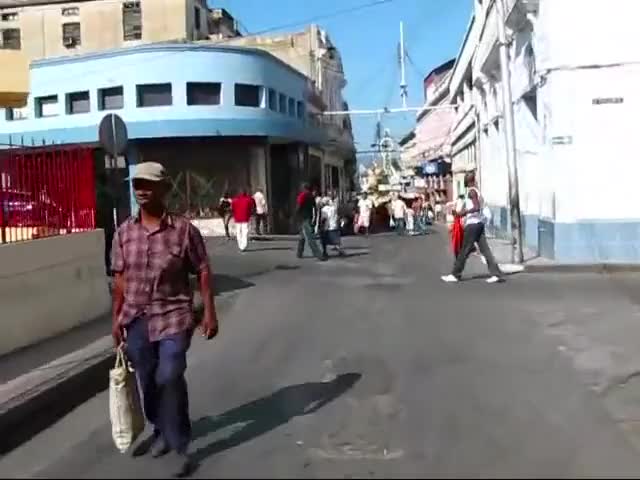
(450, 279)
(494, 279)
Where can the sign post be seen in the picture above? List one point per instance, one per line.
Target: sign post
(113, 138)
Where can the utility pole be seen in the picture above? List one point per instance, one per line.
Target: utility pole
(517, 255)
(403, 81)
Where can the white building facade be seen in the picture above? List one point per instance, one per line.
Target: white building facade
(574, 66)
(464, 134)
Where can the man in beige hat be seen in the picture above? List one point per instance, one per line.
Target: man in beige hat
(152, 256)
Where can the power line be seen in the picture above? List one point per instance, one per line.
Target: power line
(137, 62)
(326, 16)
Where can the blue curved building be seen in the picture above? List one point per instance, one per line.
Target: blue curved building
(218, 117)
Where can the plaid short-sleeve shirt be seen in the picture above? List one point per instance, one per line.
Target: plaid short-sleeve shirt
(156, 267)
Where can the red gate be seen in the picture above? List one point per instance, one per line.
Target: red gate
(46, 191)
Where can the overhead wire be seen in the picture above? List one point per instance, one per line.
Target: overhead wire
(138, 62)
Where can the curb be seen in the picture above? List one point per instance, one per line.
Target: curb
(601, 268)
(598, 268)
(31, 403)
(36, 400)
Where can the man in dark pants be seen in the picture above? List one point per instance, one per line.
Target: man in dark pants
(307, 214)
(153, 254)
(474, 233)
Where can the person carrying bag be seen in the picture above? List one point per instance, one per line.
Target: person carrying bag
(127, 418)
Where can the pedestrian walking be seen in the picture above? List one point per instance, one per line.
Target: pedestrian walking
(306, 213)
(365, 207)
(261, 211)
(474, 234)
(153, 254)
(242, 207)
(224, 210)
(399, 211)
(330, 226)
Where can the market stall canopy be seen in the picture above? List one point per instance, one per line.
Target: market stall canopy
(14, 81)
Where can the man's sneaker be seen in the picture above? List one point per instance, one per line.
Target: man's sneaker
(495, 279)
(159, 448)
(181, 465)
(154, 443)
(450, 279)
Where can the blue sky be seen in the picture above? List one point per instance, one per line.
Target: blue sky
(367, 40)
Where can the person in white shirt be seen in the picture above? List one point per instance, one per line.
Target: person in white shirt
(330, 226)
(399, 211)
(365, 206)
(474, 234)
(261, 211)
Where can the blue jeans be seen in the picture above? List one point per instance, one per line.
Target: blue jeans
(160, 368)
(307, 235)
(401, 226)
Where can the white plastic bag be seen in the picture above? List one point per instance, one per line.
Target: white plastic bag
(127, 419)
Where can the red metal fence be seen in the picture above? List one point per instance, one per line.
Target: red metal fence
(46, 191)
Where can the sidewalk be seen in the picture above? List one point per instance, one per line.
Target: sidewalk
(73, 367)
(534, 263)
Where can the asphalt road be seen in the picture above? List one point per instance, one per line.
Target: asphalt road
(367, 367)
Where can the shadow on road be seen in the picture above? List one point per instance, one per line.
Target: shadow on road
(355, 254)
(265, 414)
(227, 283)
(287, 267)
(269, 249)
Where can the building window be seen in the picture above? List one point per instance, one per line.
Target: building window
(12, 114)
(248, 95)
(283, 103)
(47, 106)
(204, 93)
(111, 98)
(70, 12)
(196, 18)
(301, 110)
(11, 39)
(9, 17)
(273, 100)
(154, 95)
(132, 20)
(78, 102)
(71, 35)
(292, 107)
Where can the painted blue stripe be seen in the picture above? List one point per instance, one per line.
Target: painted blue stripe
(291, 130)
(583, 242)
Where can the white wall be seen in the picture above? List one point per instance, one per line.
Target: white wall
(587, 32)
(51, 285)
(493, 171)
(597, 174)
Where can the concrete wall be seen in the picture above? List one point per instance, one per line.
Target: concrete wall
(49, 286)
(101, 25)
